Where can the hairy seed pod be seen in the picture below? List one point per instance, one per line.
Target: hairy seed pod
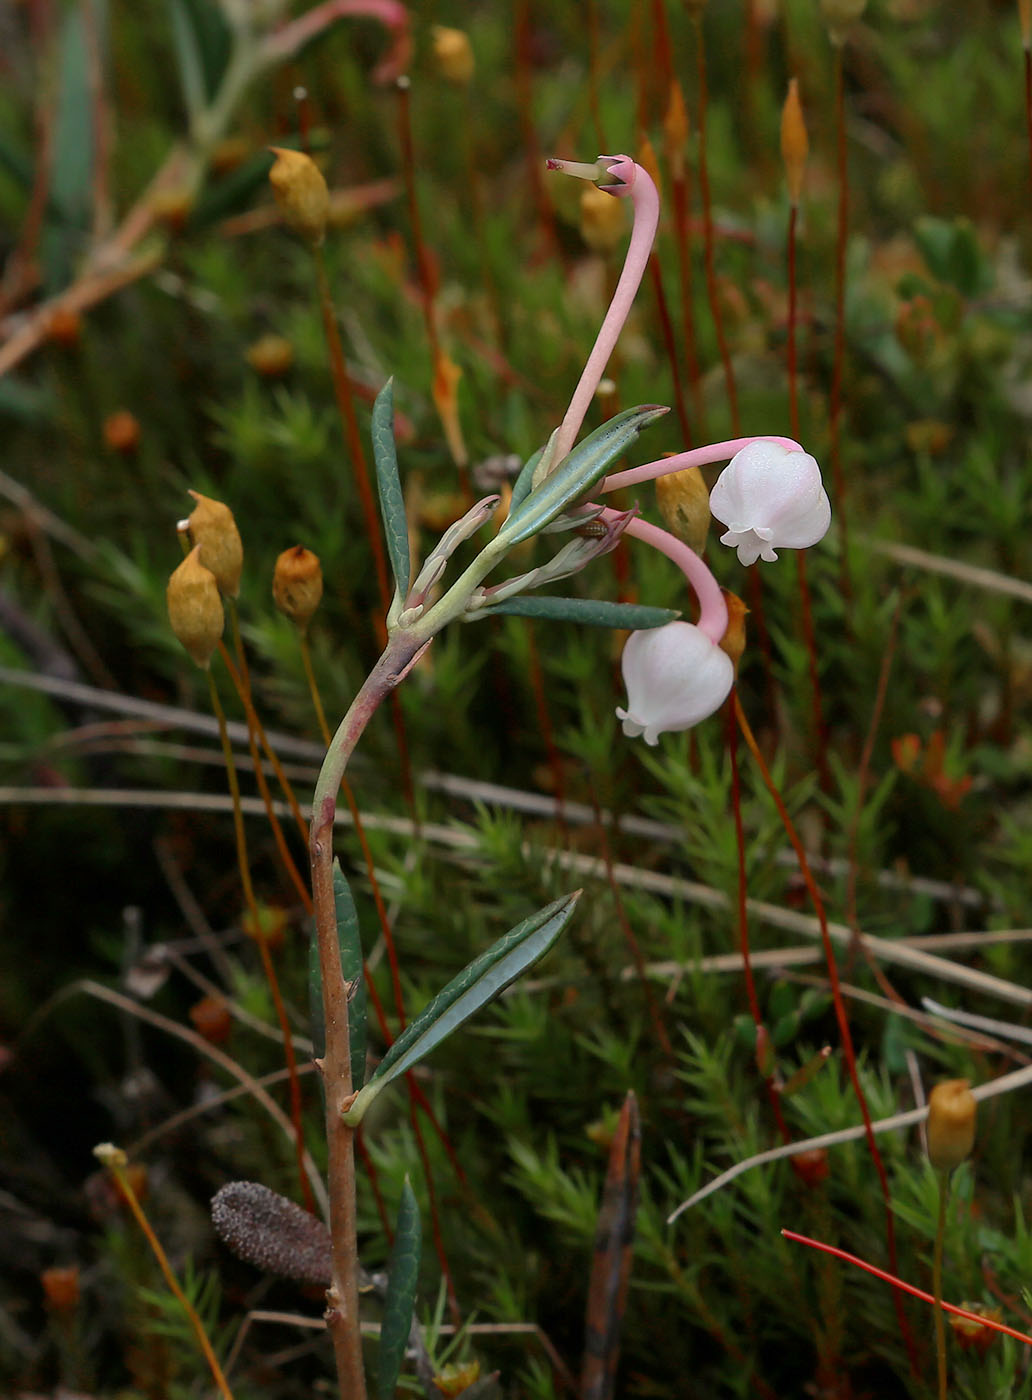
(275, 1235)
(195, 608)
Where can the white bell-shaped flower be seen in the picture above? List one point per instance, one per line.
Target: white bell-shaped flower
(770, 498)
(675, 677)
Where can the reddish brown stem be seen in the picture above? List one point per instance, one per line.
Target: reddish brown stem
(845, 1035)
(708, 238)
(838, 363)
(1028, 106)
(593, 74)
(667, 330)
(681, 201)
(531, 146)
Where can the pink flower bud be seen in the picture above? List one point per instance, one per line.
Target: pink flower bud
(770, 498)
(675, 677)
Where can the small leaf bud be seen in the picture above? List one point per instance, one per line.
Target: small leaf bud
(603, 220)
(213, 528)
(951, 1123)
(453, 55)
(195, 608)
(683, 502)
(301, 193)
(795, 146)
(297, 585)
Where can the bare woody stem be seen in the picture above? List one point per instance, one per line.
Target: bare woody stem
(342, 1317)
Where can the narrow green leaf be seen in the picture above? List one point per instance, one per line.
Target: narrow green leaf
(351, 962)
(213, 40)
(188, 59)
(585, 465)
(401, 1293)
(590, 612)
(392, 502)
(476, 985)
(72, 171)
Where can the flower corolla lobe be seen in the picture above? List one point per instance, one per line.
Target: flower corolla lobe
(770, 498)
(675, 677)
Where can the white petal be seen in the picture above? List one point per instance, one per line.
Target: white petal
(675, 676)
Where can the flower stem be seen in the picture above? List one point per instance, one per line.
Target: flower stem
(712, 608)
(696, 457)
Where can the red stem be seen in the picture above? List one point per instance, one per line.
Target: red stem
(845, 1035)
(835, 407)
(681, 201)
(667, 331)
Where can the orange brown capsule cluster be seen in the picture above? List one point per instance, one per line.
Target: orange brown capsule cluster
(195, 608)
(61, 1287)
(453, 55)
(951, 1123)
(122, 432)
(270, 356)
(974, 1336)
(297, 585)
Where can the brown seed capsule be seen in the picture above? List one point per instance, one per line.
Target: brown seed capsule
(457, 1377)
(64, 327)
(297, 585)
(61, 1287)
(795, 146)
(811, 1167)
(840, 16)
(213, 528)
(733, 640)
(172, 207)
(677, 126)
(603, 220)
(212, 1019)
(269, 928)
(122, 432)
(453, 55)
(684, 505)
(270, 356)
(975, 1336)
(301, 193)
(195, 608)
(951, 1123)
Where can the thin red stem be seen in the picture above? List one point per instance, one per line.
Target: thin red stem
(838, 364)
(667, 331)
(1028, 106)
(845, 1035)
(708, 238)
(897, 1283)
(681, 188)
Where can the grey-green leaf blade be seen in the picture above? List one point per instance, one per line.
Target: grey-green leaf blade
(388, 480)
(401, 1293)
(590, 612)
(350, 940)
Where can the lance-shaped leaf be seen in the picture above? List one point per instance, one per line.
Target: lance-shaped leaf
(401, 1293)
(521, 486)
(392, 503)
(350, 942)
(578, 473)
(590, 612)
(476, 985)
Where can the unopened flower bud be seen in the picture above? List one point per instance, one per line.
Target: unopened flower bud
(297, 585)
(675, 677)
(270, 356)
(301, 193)
(683, 502)
(213, 528)
(840, 16)
(795, 146)
(733, 640)
(195, 608)
(453, 55)
(770, 498)
(603, 220)
(951, 1123)
(122, 432)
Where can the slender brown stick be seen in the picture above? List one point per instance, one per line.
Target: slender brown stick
(845, 1035)
(1028, 105)
(708, 237)
(676, 129)
(838, 363)
(270, 971)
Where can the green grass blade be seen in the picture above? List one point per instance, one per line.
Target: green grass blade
(392, 502)
(477, 984)
(590, 612)
(585, 465)
(521, 486)
(73, 159)
(401, 1293)
(188, 59)
(351, 962)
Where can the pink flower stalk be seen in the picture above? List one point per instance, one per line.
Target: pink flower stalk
(631, 180)
(697, 457)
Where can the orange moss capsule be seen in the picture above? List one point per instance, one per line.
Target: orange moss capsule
(603, 220)
(453, 55)
(297, 585)
(795, 146)
(811, 1167)
(733, 640)
(212, 1019)
(214, 529)
(269, 928)
(172, 207)
(301, 193)
(974, 1336)
(683, 502)
(270, 356)
(64, 327)
(122, 432)
(457, 1377)
(61, 1287)
(195, 608)
(951, 1123)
